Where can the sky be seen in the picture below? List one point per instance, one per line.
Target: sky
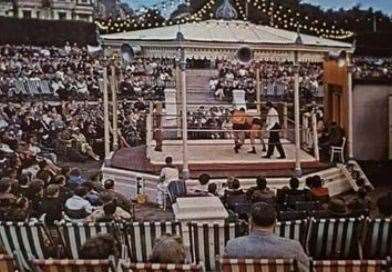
(384, 5)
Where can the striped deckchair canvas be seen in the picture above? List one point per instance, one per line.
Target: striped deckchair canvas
(156, 267)
(7, 263)
(140, 237)
(349, 266)
(209, 240)
(20, 87)
(253, 265)
(377, 242)
(75, 234)
(33, 86)
(334, 238)
(26, 239)
(296, 230)
(73, 266)
(45, 87)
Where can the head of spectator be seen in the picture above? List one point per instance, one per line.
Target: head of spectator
(100, 247)
(317, 182)
(309, 183)
(169, 161)
(384, 205)
(269, 105)
(261, 183)
(168, 249)
(108, 184)
(337, 208)
(212, 189)
(294, 183)
(52, 191)
(204, 179)
(75, 177)
(60, 180)
(45, 176)
(80, 191)
(236, 184)
(92, 196)
(262, 217)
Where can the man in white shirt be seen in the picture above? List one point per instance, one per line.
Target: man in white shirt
(168, 173)
(273, 126)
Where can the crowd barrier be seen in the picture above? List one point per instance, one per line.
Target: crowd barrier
(324, 239)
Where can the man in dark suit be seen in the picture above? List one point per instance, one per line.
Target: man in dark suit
(273, 126)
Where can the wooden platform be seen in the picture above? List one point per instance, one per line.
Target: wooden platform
(217, 159)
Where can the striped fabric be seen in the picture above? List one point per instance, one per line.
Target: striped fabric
(209, 240)
(256, 265)
(156, 267)
(27, 239)
(349, 266)
(33, 86)
(295, 230)
(73, 265)
(20, 87)
(45, 87)
(140, 237)
(334, 238)
(7, 263)
(377, 242)
(74, 235)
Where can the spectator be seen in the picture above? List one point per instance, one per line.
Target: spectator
(319, 193)
(262, 243)
(35, 194)
(168, 173)
(23, 185)
(121, 200)
(51, 207)
(92, 195)
(384, 204)
(337, 208)
(119, 214)
(77, 207)
(203, 181)
(261, 193)
(100, 247)
(75, 178)
(212, 189)
(109, 211)
(168, 249)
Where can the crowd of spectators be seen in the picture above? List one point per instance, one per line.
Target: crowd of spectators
(52, 194)
(293, 202)
(35, 132)
(71, 72)
(370, 69)
(277, 80)
(214, 118)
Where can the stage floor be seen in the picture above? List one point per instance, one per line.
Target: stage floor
(221, 152)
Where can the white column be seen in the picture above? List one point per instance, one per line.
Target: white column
(103, 84)
(258, 93)
(298, 170)
(315, 136)
(350, 108)
(184, 116)
(114, 106)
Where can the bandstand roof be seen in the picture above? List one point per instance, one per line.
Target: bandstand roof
(214, 38)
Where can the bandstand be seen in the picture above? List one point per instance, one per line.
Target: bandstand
(221, 39)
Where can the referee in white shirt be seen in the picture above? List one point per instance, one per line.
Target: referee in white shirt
(273, 127)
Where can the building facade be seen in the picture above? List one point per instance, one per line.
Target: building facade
(49, 9)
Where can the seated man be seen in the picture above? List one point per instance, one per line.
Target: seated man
(262, 243)
(261, 193)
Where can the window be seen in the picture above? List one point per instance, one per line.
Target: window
(62, 16)
(27, 14)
